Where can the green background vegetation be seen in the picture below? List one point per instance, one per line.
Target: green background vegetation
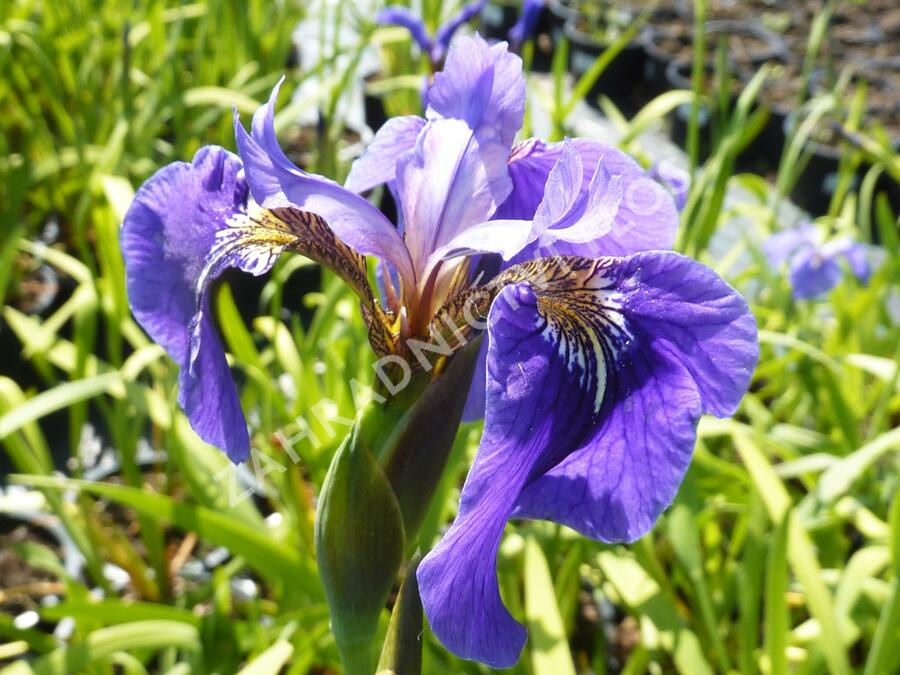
(781, 553)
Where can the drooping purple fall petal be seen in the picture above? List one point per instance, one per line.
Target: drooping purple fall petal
(692, 350)
(623, 366)
(167, 234)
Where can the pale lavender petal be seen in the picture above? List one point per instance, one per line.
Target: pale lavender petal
(594, 215)
(691, 349)
(275, 182)
(450, 183)
(378, 164)
(482, 85)
(504, 237)
(445, 33)
(457, 174)
(527, 22)
(564, 206)
(562, 189)
(166, 236)
(396, 15)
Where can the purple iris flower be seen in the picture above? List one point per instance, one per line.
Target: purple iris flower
(602, 348)
(434, 45)
(526, 23)
(675, 179)
(814, 265)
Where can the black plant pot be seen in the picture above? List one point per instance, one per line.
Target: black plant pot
(656, 58)
(622, 79)
(658, 45)
(374, 110)
(763, 155)
(497, 18)
(678, 76)
(817, 181)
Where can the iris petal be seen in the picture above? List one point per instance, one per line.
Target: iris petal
(445, 33)
(397, 15)
(812, 274)
(645, 220)
(527, 22)
(167, 233)
(860, 257)
(275, 182)
(597, 372)
(458, 578)
(187, 224)
(378, 164)
(693, 349)
(482, 85)
(783, 245)
(450, 183)
(457, 174)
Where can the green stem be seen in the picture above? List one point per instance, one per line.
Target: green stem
(402, 650)
(358, 657)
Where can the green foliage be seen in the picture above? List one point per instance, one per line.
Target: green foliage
(779, 555)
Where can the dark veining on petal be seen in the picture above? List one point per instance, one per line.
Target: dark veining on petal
(253, 241)
(579, 310)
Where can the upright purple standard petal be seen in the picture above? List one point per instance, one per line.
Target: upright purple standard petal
(457, 175)
(597, 372)
(482, 85)
(378, 164)
(167, 234)
(397, 15)
(275, 182)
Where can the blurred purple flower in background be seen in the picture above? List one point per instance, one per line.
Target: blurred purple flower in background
(602, 349)
(434, 45)
(526, 23)
(814, 265)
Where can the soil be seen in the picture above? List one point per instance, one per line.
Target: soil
(676, 38)
(782, 89)
(28, 584)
